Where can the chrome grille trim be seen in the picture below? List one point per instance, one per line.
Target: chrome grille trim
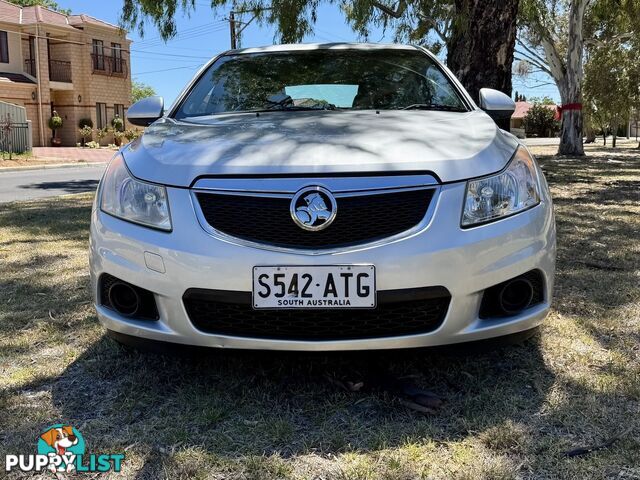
(335, 184)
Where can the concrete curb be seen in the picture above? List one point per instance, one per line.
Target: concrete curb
(50, 166)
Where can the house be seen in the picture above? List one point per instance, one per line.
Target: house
(76, 65)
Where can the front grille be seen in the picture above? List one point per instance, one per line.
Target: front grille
(360, 219)
(399, 312)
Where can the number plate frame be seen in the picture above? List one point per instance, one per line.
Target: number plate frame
(261, 304)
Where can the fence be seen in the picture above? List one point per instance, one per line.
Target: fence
(15, 129)
(18, 140)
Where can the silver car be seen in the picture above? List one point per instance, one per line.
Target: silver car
(322, 197)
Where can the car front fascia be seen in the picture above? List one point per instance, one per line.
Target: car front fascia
(433, 256)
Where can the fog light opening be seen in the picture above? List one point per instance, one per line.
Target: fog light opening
(124, 299)
(515, 296)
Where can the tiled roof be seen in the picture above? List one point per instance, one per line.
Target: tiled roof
(84, 18)
(11, 13)
(38, 14)
(6, 77)
(523, 107)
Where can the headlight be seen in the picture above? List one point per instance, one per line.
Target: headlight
(511, 191)
(129, 199)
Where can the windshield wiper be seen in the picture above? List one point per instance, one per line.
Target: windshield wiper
(318, 106)
(433, 106)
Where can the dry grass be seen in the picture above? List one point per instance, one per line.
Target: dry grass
(509, 413)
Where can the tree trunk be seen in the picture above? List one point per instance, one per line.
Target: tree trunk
(480, 50)
(571, 138)
(568, 74)
(571, 133)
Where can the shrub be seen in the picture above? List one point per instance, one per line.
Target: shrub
(101, 133)
(540, 120)
(93, 144)
(55, 122)
(118, 136)
(85, 132)
(85, 122)
(132, 133)
(117, 123)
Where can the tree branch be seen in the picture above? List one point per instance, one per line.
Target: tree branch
(402, 6)
(616, 38)
(531, 51)
(442, 34)
(556, 66)
(542, 66)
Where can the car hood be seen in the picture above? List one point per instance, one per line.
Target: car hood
(451, 145)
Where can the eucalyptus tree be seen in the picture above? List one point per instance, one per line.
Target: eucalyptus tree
(608, 87)
(478, 35)
(552, 38)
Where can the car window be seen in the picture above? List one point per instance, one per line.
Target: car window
(319, 79)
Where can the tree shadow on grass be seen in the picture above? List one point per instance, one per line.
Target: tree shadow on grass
(68, 219)
(241, 403)
(235, 404)
(232, 404)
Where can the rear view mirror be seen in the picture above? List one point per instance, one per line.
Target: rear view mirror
(146, 111)
(497, 105)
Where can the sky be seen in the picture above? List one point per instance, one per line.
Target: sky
(168, 67)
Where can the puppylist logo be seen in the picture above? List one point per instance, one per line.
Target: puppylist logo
(61, 448)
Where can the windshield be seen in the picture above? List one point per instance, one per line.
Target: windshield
(319, 80)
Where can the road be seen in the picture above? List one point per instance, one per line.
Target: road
(31, 184)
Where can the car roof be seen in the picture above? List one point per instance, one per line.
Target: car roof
(298, 47)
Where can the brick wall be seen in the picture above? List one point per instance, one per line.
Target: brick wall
(78, 99)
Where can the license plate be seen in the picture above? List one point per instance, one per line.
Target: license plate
(326, 286)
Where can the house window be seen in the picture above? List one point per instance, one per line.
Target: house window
(101, 115)
(4, 48)
(30, 63)
(116, 54)
(98, 55)
(118, 109)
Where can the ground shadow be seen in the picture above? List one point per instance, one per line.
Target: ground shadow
(239, 403)
(234, 404)
(69, 186)
(67, 219)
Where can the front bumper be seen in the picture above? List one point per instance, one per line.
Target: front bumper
(465, 262)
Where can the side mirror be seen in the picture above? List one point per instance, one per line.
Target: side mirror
(146, 111)
(497, 105)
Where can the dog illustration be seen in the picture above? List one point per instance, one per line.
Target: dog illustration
(60, 439)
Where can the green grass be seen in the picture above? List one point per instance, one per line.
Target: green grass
(508, 413)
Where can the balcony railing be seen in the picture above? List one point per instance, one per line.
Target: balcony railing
(107, 65)
(30, 66)
(59, 71)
